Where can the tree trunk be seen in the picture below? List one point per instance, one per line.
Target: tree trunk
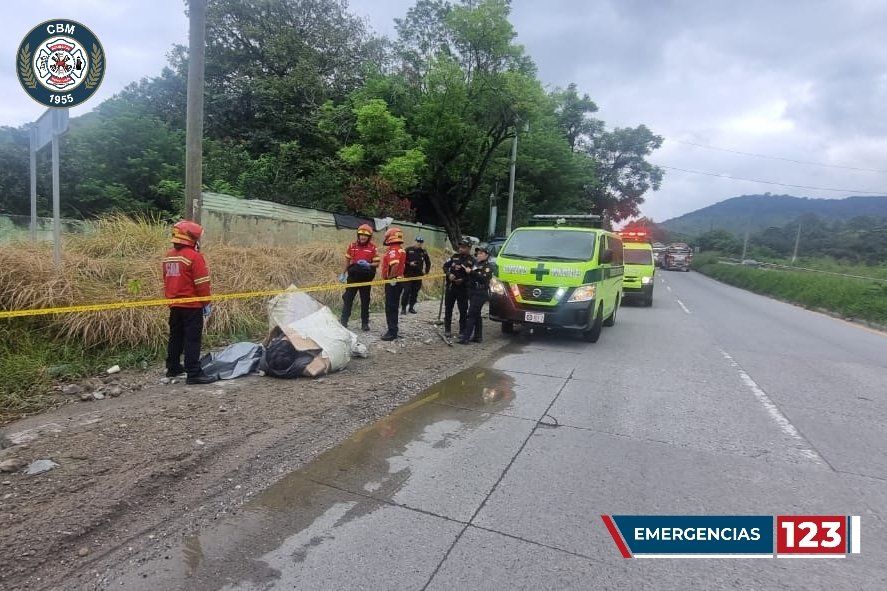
(447, 217)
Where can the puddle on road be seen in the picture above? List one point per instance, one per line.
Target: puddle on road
(357, 478)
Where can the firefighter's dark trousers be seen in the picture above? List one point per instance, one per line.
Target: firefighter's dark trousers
(392, 300)
(348, 301)
(185, 335)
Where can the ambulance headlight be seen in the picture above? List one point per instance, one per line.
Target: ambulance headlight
(497, 287)
(646, 280)
(583, 293)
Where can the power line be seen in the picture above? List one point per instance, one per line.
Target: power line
(739, 178)
(808, 162)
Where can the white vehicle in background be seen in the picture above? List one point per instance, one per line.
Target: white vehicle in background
(658, 249)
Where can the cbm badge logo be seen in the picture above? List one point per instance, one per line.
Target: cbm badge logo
(60, 63)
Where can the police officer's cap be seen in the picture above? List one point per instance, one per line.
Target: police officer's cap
(420, 239)
(481, 249)
(464, 242)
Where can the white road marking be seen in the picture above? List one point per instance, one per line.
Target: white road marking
(681, 304)
(774, 412)
(668, 287)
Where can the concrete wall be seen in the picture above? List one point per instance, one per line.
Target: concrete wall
(232, 220)
(18, 227)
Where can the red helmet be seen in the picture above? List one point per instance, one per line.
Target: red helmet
(365, 229)
(186, 232)
(394, 235)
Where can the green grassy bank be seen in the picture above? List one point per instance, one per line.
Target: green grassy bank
(858, 299)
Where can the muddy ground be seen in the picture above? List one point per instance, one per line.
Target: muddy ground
(139, 471)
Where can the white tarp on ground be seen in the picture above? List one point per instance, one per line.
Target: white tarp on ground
(309, 325)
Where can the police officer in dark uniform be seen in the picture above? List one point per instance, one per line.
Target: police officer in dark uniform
(456, 269)
(478, 294)
(418, 264)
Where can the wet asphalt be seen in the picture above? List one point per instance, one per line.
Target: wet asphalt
(713, 401)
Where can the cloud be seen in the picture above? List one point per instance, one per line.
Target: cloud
(796, 79)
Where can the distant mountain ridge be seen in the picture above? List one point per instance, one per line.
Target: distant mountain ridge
(758, 212)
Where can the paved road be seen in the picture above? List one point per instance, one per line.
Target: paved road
(713, 401)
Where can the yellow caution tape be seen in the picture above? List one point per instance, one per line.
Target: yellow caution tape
(213, 298)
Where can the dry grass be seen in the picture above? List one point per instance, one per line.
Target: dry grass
(120, 260)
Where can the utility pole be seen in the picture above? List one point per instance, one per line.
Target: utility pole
(744, 244)
(797, 241)
(510, 213)
(494, 212)
(194, 122)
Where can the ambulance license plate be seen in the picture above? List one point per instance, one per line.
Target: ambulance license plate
(538, 317)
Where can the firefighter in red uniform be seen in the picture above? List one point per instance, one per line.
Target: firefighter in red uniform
(361, 261)
(394, 264)
(185, 275)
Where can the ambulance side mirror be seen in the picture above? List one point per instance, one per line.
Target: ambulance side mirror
(607, 256)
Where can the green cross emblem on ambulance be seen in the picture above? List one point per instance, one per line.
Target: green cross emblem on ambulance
(540, 271)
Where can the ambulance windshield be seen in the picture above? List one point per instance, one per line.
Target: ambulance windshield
(633, 256)
(550, 245)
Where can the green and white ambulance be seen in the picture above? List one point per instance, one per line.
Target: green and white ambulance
(640, 266)
(563, 274)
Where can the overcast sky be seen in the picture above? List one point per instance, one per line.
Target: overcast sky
(804, 80)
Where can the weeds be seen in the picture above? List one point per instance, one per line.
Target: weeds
(120, 260)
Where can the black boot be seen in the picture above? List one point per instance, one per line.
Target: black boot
(388, 336)
(200, 378)
(175, 372)
(413, 311)
(365, 327)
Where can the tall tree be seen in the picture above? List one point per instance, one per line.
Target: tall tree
(272, 63)
(574, 115)
(471, 87)
(624, 174)
(387, 161)
(14, 184)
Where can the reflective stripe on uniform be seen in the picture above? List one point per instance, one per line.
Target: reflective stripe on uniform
(183, 260)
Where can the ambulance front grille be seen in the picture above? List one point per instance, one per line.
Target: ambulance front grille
(528, 293)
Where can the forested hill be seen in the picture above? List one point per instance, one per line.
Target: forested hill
(758, 212)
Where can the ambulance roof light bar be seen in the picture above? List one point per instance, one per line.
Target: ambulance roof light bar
(568, 219)
(635, 235)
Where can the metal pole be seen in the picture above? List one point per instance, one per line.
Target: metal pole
(33, 165)
(194, 123)
(491, 226)
(56, 205)
(797, 241)
(510, 213)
